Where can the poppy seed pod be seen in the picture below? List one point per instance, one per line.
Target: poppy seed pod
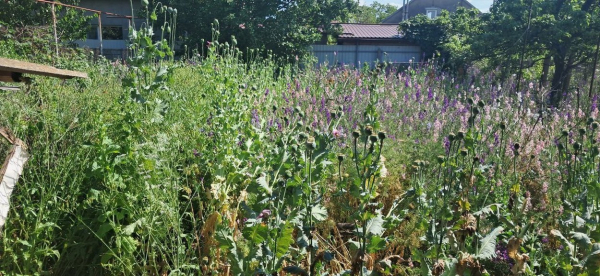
(564, 132)
(299, 124)
(560, 146)
(595, 125)
(441, 159)
(310, 143)
(341, 157)
(451, 137)
(460, 135)
(381, 135)
(582, 131)
(369, 130)
(298, 109)
(475, 159)
(463, 152)
(481, 103)
(355, 134)
(502, 125)
(577, 146)
(334, 114)
(373, 138)
(517, 146)
(590, 120)
(475, 110)
(470, 100)
(595, 151)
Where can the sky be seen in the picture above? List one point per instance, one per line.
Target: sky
(482, 5)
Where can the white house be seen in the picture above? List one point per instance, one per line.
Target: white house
(109, 32)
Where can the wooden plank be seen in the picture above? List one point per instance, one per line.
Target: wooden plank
(9, 88)
(9, 66)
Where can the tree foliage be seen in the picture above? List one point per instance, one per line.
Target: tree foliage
(448, 36)
(283, 27)
(372, 14)
(514, 36)
(563, 31)
(71, 23)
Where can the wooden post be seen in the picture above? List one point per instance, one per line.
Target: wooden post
(55, 32)
(100, 32)
(10, 172)
(594, 68)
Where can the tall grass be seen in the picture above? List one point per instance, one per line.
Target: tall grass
(209, 166)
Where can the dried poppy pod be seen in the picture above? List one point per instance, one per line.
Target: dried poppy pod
(369, 130)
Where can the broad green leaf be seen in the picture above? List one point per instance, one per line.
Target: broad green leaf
(376, 244)
(286, 238)
(487, 249)
(582, 239)
(129, 229)
(490, 209)
(256, 233)
(563, 240)
(263, 182)
(319, 213)
(375, 225)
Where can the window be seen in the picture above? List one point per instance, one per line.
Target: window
(432, 13)
(92, 32)
(112, 32)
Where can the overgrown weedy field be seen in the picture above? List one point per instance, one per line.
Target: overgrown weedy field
(213, 166)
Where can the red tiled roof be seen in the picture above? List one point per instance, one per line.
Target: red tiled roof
(377, 31)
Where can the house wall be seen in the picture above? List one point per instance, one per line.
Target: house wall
(112, 47)
(416, 7)
(359, 54)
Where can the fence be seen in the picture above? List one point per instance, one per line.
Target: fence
(360, 54)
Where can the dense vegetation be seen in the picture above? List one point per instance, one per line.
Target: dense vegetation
(223, 165)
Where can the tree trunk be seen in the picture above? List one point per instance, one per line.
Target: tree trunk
(545, 70)
(556, 88)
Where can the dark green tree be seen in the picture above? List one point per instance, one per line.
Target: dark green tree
(519, 33)
(284, 27)
(71, 23)
(448, 37)
(372, 14)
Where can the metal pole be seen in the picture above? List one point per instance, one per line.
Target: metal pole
(54, 27)
(100, 32)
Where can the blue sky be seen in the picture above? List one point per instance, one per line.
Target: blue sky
(482, 5)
